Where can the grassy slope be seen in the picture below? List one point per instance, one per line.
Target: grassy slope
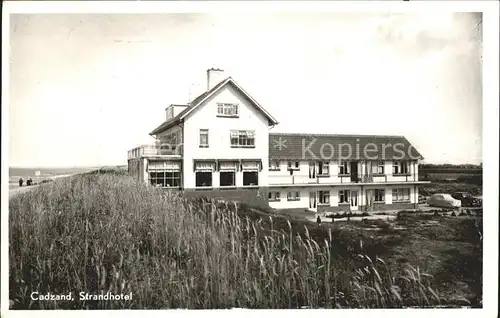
(103, 232)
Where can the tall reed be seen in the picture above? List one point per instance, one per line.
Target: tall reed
(100, 233)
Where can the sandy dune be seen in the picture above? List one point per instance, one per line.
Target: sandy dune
(15, 191)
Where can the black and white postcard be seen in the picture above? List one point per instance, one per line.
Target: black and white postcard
(317, 157)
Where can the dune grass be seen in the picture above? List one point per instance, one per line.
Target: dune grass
(102, 232)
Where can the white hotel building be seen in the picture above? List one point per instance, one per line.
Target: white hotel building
(220, 144)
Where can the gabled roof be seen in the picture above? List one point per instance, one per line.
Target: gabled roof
(203, 97)
(319, 147)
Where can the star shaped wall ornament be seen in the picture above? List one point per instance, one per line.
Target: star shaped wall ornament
(280, 143)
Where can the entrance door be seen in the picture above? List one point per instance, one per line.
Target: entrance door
(354, 171)
(354, 200)
(312, 201)
(312, 172)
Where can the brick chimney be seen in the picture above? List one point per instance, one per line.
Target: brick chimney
(214, 77)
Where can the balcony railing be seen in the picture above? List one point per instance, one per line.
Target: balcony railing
(154, 150)
(341, 178)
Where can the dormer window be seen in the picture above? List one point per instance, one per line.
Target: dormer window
(227, 110)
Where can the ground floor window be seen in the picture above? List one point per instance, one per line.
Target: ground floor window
(165, 178)
(203, 179)
(250, 178)
(400, 194)
(344, 196)
(293, 196)
(227, 178)
(379, 195)
(324, 197)
(274, 196)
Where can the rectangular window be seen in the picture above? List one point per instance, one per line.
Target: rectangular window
(324, 197)
(293, 196)
(274, 196)
(324, 168)
(203, 179)
(164, 173)
(250, 178)
(172, 178)
(344, 196)
(227, 110)
(400, 194)
(274, 165)
(379, 195)
(400, 167)
(157, 179)
(203, 138)
(243, 138)
(378, 167)
(293, 165)
(343, 167)
(227, 178)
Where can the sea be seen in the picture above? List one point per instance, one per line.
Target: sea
(39, 174)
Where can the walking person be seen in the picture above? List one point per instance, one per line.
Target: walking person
(318, 220)
(21, 182)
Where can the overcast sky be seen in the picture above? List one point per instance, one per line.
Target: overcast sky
(84, 89)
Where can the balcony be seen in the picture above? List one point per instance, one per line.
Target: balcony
(341, 179)
(159, 151)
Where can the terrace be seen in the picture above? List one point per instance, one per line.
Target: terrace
(156, 152)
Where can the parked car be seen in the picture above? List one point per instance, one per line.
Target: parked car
(467, 199)
(443, 200)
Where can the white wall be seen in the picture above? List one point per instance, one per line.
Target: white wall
(304, 196)
(302, 176)
(334, 195)
(285, 204)
(205, 117)
(388, 195)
